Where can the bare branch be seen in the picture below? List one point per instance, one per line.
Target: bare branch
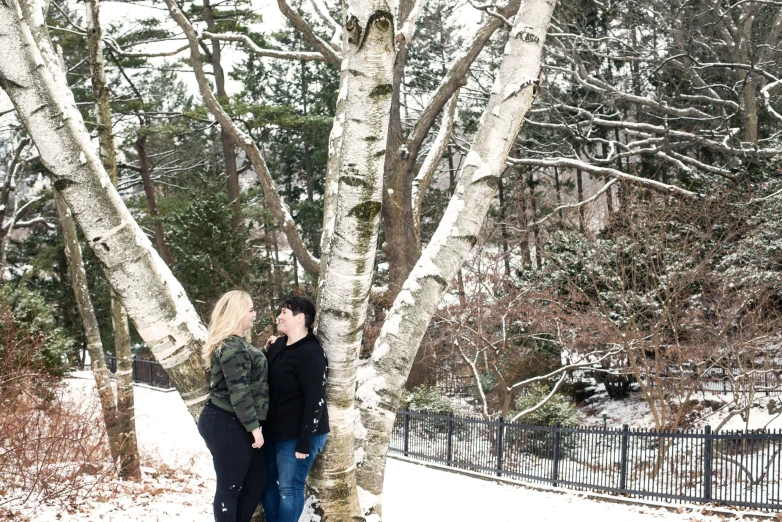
(323, 12)
(269, 53)
(407, 29)
(605, 171)
(575, 205)
(429, 167)
(275, 204)
(455, 78)
(309, 35)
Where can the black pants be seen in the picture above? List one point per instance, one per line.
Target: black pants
(240, 468)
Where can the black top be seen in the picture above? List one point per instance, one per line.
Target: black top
(297, 391)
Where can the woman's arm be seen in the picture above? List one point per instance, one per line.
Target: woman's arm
(312, 374)
(235, 362)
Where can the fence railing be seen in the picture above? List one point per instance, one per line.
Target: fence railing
(731, 468)
(144, 370)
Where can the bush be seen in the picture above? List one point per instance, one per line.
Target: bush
(51, 447)
(426, 399)
(557, 409)
(29, 334)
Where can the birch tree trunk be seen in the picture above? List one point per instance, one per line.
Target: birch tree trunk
(154, 299)
(129, 461)
(91, 331)
(344, 286)
(381, 379)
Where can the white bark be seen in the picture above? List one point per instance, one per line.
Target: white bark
(344, 287)
(382, 378)
(154, 299)
(129, 461)
(429, 167)
(81, 292)
(407, 31)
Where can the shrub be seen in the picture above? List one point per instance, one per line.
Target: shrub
(50, 447)
(427, 399)
(557, 409)
(29, 335)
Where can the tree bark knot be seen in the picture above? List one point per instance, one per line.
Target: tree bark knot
(380, 20)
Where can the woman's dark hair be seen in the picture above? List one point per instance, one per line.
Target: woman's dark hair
(301, 305)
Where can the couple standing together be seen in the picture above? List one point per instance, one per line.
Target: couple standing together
(266, 418)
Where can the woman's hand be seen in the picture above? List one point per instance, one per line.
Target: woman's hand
(269, 342)
(258, 438)
(302, 455)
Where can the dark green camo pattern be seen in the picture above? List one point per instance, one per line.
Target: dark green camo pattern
(240, 382)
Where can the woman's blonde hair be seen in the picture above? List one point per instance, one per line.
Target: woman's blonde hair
(227, 317)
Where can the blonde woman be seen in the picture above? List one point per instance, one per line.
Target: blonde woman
(238, 402)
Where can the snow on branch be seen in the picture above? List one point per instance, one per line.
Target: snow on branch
(605, 171)
(429, 167)
(408, 27)
(323, 12)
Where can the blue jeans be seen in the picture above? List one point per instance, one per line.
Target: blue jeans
(283, 500)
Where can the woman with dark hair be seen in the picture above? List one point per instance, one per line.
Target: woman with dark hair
(230, 423)
(298, 419)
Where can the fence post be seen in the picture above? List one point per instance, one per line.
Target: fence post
(623, 462)
(500, 432)
(406, 414)
(133, 368)
(450, 437)
(708, 453)
(555, 470)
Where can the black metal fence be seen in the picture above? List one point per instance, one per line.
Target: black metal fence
(144, 370)
(731, 468)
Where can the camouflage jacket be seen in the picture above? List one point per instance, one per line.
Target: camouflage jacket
(239, 381)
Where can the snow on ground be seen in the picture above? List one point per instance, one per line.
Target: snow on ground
(178, 483)
(634, 411)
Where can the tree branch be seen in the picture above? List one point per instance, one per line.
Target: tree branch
(429, 167)
(309, 35)
(276, 205)
(269, 53)
(605, 171)
(456, 78)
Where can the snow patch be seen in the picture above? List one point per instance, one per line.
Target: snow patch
(380, 351)
(367, 501)
(370, 383)
(358, 454)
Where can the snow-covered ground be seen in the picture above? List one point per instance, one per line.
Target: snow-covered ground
(635, 412)
(178, 481)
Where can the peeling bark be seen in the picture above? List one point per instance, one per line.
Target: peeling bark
(382, 378)
(154, 299)
(345, 284)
